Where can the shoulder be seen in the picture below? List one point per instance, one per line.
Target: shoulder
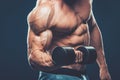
(38, 19)
(91, 1)
(41, 10)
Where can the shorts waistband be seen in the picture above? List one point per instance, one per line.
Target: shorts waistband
(66, 71)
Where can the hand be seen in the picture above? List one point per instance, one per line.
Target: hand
(85, 55)
(79, 56)
(104, 74)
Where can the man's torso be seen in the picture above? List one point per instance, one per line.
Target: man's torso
(67, 23)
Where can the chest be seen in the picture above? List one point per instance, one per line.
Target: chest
(67, 19)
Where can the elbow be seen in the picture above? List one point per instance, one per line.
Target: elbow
(32, 63)
(35, 65)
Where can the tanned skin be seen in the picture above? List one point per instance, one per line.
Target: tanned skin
(63, 23)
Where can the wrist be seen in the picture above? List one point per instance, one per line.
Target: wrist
(104, 67)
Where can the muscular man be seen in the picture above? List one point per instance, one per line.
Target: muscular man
(63, 23)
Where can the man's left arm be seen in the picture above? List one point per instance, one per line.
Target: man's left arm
(97, 42)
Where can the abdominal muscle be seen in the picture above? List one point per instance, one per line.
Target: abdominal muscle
(80, 37)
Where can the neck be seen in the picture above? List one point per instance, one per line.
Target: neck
(70, 2)
(67, 1)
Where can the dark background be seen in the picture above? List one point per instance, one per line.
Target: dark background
(13, 35)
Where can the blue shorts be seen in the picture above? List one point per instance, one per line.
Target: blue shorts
(62, 75)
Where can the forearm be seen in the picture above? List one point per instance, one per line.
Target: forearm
(41, 60)
(101, 59)
(96, 41)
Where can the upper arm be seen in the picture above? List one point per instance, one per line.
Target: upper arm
(39, 18)
(95, 33)
(41, 41)
(39, 36)
(92, 22)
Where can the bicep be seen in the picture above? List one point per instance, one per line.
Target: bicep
(39, 37)
(40, 41)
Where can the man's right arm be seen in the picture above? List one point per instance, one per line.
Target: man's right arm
(38, 56)
(38, 40)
